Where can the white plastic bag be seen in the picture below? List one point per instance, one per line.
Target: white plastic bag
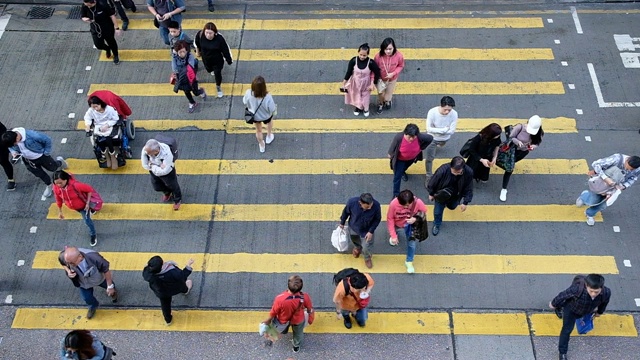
(613, 197)
(339, 239)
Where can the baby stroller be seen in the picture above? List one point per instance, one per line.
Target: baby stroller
(123, 132)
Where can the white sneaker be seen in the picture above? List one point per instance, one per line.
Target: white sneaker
(356, 112)
(261, 147)
(47, 193)
(409, 266)
(579, 202)
(219, 89)
(590, 220)
(269, 139)
(64, 165)
(503, 195)
(366, 113)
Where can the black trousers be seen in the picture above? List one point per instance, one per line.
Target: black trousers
(120, 10)
(217, 73)
(165, 305)
(105, 40)
(167, 184)
(36, 167)
(568, 323)
(507, 175)
(4, 161)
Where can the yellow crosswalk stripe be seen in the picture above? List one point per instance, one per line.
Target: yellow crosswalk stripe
(308, 89)
(318, 167)
(226, 25)
(386, 125)
(523, 54)
(315, 212)
(325, 322)
(385, 264)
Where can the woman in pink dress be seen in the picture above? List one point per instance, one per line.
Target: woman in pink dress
(360, 79)
(391, 62)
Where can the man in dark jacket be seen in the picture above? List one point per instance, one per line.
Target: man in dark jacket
(364, 216)
(451, 184)
(166, 279)
(587, 294)
(405, 151)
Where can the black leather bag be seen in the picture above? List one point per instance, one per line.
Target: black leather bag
(443, 195)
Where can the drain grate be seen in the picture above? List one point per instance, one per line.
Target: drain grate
(74, 13)
(40, 12)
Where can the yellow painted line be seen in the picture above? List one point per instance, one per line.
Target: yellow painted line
(385, 264)
(318, 167)
(403, 88)
(315, 212)
(345, 54)
(222, 321)
(490, 324)
(605, 325)
(551, 125)
(226, 25)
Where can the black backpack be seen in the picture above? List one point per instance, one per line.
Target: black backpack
(171, 141)
(342, 276)
(420, 228)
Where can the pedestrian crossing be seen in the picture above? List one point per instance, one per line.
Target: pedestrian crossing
(239, 264)
(425, 323)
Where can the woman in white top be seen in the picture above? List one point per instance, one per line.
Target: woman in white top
(261, 104)
(103, 117)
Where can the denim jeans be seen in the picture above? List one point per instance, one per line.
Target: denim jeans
(411, 244)
(438, 209)
(590, 199)
(164, 33)
(361, 315)
(399, 170)
(87, 295)
(87, 220)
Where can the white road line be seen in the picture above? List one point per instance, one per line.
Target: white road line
(576, 20)
(4, 20)
(601, 102)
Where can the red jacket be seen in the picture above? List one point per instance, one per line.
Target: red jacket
(71, 194)
(114, 100)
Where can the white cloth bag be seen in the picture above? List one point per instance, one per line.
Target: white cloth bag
(339, 239)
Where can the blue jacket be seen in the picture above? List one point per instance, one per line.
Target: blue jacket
(361, 221)
(173, 4)
(96, 345)
(35, 141)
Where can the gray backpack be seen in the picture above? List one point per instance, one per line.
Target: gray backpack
(599, 186)
(171, 142)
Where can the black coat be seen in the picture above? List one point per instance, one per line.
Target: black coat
(169, 283)
(424, 139)
(443, 178)
(480, 150)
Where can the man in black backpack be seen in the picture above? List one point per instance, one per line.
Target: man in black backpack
(585, 295)
(352, 295)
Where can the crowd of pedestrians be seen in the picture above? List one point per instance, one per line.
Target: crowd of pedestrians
(449, 187)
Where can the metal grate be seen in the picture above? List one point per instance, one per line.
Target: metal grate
(74, 13)
(40, 12)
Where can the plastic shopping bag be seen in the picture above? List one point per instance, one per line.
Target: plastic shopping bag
(339, 239)
(585, 324)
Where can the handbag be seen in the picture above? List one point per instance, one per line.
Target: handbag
(443, 195)
(95, 202)
(506, 159)
(339, 239)
(465, 150)
(381, 85)
(420, 228)
(584, 324)
(249, 117)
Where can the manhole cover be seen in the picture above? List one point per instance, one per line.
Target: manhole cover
(40, 12)
(74, 13)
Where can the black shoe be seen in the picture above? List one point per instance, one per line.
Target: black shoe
(211, 8)
(125, 25)
(116, 60)
(296, 349)
(379, 109)
(563, 357)
(91, 312)
(435, 230)
(268, 343)
(347, 322)
(558, 311)
(387, 105)
(133, 8)
(108, 53)
(405, 177)
(114, 298)
(93, 241)
(11, 185)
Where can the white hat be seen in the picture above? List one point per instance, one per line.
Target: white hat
(533, 125)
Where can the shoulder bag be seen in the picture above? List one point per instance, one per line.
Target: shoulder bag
(95, 203)
(249, 117)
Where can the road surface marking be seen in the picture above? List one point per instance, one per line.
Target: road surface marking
(598, 91)
(576, 20)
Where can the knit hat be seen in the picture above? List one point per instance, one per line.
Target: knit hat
(533, 125)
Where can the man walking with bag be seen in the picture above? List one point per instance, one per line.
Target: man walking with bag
(628, 166)
(585, 295)
(364, 216)
(352, 295)
(450, 185)
(292, 308)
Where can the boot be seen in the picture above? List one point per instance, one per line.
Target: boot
(114, 160)
(108, 158)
